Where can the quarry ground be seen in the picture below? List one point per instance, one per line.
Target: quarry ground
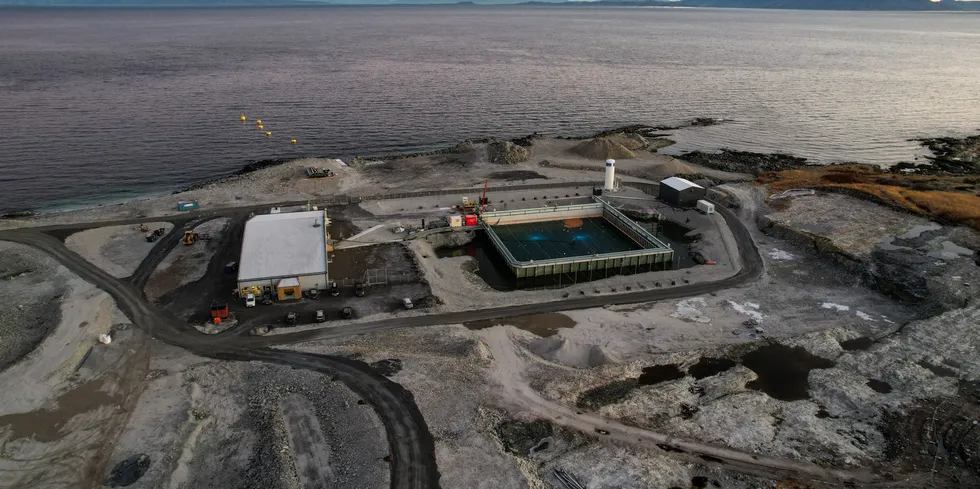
(818, 361)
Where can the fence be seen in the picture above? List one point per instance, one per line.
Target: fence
(380, 276)
(353, 199)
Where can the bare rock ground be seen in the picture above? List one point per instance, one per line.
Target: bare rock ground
(186, 264)
(116, 249)
(66, 402)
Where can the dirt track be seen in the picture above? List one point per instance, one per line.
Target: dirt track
(411, 444)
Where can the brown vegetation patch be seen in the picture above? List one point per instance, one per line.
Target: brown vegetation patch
(953, 199)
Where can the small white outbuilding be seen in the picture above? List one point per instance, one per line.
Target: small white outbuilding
(706, 207)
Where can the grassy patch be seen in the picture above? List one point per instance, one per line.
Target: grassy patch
(953, 199)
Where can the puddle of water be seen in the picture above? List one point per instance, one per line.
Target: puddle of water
(862, 343)
(879, 386)
(939, 370)
(543, 325)
(951, 251)
(783, 371)
(916, 231)
(45, 425)
(706, 367)
(660, 373)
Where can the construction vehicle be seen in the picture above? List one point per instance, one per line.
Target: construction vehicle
(160, 231)
(150, 237)
(190, 237)
(314, 172)
(469, 206)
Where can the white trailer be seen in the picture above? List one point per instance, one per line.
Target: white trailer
(706, 207)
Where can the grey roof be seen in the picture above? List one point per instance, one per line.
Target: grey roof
(678, 183)
(283, 245)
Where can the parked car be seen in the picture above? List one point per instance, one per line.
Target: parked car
(319, 316)
(359, 289)
(347, 313)
(313, 293)
(292, 317)
(407, 303)
(334, 289)
(250, 300)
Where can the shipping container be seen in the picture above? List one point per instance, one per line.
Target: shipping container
(470, 220)
(186, 205)
(706, 207)
(455, 221)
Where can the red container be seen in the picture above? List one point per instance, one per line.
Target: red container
(470, 220)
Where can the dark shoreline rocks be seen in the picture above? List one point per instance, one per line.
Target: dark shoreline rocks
(650, 131)
(958, 156)
(745, 161)
(18, 214)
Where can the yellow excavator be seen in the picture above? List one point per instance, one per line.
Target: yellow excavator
(189, 237)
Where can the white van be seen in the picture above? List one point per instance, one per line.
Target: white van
(407, 303)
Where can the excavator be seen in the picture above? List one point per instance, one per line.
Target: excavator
(190, 237)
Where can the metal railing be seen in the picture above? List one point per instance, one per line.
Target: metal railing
(657, 248)
(537, 210)
(634, 230)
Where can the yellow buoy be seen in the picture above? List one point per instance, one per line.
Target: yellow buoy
(258, 121)
(260, 126)
(292, 141)
(268, 134)
(243, 117)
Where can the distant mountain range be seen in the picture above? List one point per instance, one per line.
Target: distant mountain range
(763, 4)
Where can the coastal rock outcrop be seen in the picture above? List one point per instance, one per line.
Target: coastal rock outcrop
(744, 161)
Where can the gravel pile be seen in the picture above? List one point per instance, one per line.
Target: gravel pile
(31, 305)
(251, 443)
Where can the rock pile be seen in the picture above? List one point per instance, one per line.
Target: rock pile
(507, 153)
(603, 149)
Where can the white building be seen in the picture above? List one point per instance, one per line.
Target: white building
(287, 252)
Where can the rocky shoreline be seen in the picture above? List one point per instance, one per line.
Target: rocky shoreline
(952, 156)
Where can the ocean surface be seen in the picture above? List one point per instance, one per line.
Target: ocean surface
(108, 105)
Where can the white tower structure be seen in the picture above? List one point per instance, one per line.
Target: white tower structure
(610, 175)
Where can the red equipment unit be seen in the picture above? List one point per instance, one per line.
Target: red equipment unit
(469, 220)
(219, 310)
